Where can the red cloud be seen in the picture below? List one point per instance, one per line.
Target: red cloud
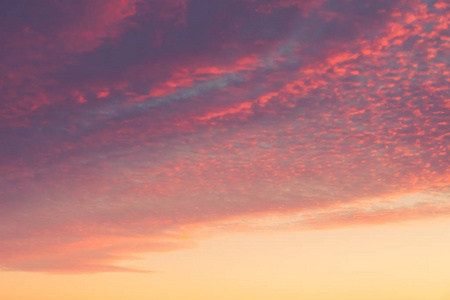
(130, 126)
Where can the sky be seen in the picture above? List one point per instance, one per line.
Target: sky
(217, 149)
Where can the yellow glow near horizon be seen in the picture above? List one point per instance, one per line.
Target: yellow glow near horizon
(408, 261)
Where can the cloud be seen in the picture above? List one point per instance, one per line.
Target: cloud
(129, 127)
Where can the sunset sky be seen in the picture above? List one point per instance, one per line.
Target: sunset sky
(224, 149)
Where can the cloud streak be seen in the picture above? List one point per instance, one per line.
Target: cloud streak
(127, 125)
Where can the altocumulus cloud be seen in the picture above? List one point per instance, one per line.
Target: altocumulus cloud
(126, 124)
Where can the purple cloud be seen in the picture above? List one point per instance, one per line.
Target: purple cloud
(127, 124)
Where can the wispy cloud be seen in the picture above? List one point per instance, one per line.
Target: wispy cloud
(126, 124)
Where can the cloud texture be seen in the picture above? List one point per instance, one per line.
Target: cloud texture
(127, 124)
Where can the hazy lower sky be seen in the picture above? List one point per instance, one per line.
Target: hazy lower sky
(224, 149)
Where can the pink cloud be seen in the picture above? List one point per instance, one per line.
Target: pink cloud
(133, 125)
